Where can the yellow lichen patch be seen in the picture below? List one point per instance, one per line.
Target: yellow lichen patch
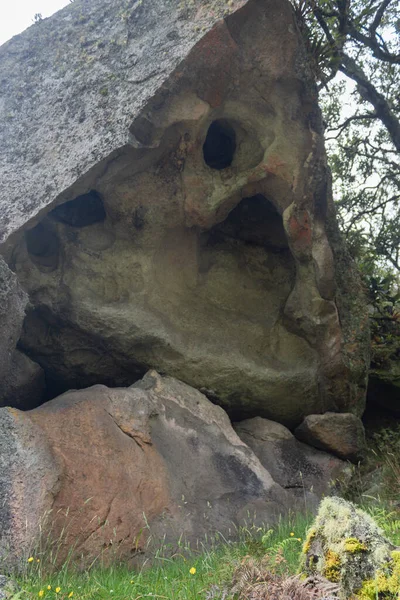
(307, 544)
(332, 566)
(354, 545)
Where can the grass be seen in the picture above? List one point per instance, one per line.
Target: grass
(187, 575)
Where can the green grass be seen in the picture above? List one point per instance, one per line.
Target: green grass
(170, 577)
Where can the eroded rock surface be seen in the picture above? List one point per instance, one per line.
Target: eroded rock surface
(21, 380)
(176, 215)
(120, 467)
(342, 434)
(308, 473)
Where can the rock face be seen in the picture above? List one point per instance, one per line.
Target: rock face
(112, 466)
(342, 434)
(29, 480)
(21, 380)
(176, 216)
(347, 547)
(308, 473)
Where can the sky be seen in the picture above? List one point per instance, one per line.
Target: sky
(17, 15)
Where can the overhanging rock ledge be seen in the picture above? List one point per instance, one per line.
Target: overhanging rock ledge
(165, 203)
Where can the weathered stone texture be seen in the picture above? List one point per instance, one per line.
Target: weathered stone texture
(116, 465)
(72, 84)
(308, 473)
(173, 216)
(340, 433)
(29, 480)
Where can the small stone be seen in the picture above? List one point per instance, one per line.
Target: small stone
(340, 433)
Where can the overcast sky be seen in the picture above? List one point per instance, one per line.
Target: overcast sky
(17, 15)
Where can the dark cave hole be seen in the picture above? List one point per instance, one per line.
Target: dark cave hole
(82, 211)
(220, 145)
(43, 246)
(255, 220)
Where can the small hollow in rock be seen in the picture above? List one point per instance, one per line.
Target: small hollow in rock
(43, 246)
(220, 145)
(255, 220)
(82, 211)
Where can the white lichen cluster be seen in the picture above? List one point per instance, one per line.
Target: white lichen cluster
(346, 546)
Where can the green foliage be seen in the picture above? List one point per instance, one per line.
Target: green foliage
(375, 483)
(354, 49)
(171, 575)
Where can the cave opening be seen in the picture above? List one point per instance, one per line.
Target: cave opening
(82, 211)
(220, 145)
(255, 220)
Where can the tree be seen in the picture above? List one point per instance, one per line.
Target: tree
(358, 41)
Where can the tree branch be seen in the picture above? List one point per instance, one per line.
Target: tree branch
(372, 43)
(369, 93)
(378, 16)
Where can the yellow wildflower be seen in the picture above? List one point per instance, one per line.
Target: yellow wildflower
(132, 581)
(40, 594)
(70, 594)
(299, 539)
(58, 589)
(192, 571)
(38, 560)
(291, 534)
(49, 587)
(30, 559)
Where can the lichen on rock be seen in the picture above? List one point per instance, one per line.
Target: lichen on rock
(346, 546)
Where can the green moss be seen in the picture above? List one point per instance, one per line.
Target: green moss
(354, 545)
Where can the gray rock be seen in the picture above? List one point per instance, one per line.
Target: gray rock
(342, 434)
(118, 470)
(177, 214)
(306, 472)
(24, 385)
(29, 479)
(12, 312)
(21, 380)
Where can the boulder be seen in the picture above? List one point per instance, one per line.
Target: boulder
(308, 473)
(340, 433)
(24, 385)
(119, 470)
(346, 546)
(21, 380)
(178, 214)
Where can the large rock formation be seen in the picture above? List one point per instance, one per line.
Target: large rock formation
(116, 468)
(166, 204)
